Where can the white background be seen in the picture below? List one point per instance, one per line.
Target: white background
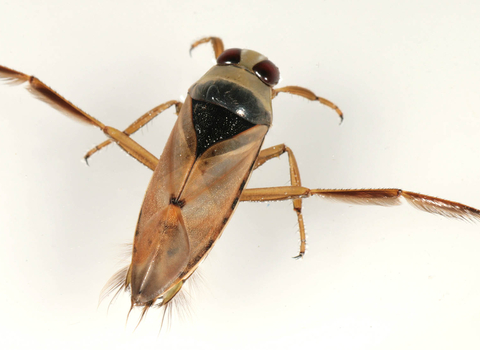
(405, 73)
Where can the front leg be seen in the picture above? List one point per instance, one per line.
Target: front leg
(48, 95)
(300, 91)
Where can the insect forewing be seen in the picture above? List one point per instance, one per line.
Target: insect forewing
(187, 204)
(161, 251)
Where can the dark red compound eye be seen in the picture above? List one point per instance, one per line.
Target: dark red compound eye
(267, 71)
(230, 56)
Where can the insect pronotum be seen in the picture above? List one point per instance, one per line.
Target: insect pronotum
(202, 173)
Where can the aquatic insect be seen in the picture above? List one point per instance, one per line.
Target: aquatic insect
(202, 173)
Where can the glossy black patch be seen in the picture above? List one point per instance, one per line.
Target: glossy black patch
(214, 124)
(236, 98)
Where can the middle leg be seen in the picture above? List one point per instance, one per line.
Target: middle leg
(276, 151)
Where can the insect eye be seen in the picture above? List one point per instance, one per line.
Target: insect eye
(230, 56)
(267, 71)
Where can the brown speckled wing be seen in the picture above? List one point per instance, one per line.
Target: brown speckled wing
(188, 202)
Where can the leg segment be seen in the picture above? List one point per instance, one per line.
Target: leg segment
(217, 44)
(139, 123)
(46, 94)
(300, 91)
(295, 181)
(384, 197)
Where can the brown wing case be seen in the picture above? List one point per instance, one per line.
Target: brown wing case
(187, 204)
